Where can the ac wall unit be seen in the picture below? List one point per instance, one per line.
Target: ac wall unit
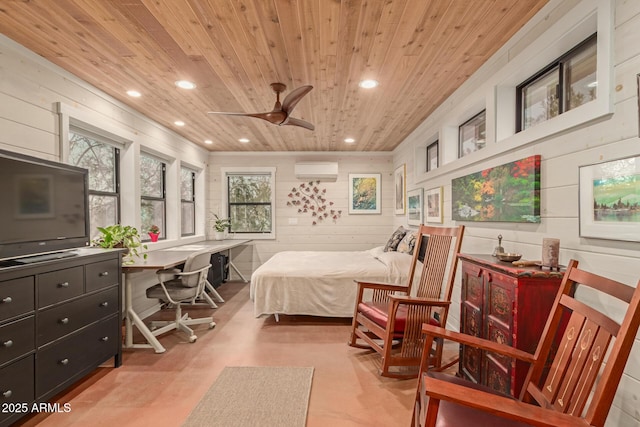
(317, 171)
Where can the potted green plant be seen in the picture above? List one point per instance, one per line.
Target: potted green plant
(220, 225)
(121, 236)
(154, 233)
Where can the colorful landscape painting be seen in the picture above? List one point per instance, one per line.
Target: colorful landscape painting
(617, 199)
(505, 193)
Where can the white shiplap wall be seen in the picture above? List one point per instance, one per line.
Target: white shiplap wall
(349, 232)
(610, 137)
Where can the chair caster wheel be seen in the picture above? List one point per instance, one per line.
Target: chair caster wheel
(193, 338)
(212, 325)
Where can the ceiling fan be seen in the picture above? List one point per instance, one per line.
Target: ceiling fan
(280, 115)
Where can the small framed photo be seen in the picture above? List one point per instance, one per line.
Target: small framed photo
(610, 200)
(364, 193)
(432, 156)
(400, 189)
(433, 203)
(414, 207)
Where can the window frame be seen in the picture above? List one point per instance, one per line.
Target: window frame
(191, 202)
(117, 194)
(163, 198)
(468, 123)
(559, 65)
(225, 206)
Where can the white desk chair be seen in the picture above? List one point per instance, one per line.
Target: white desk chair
(178, 286)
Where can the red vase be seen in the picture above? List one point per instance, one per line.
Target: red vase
(154, 236)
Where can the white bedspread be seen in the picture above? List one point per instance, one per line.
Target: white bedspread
(321, 283)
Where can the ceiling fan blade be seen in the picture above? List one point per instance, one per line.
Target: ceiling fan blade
(292, 121)
(275, 117)
(294, 97)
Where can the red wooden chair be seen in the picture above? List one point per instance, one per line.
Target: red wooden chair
(573, 375)
(391, 315)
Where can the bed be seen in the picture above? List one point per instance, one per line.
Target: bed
(321, 283)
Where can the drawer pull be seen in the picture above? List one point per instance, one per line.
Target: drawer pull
(63, 285)
(104, 339)
(64, 362)
(7, 343)
(7, 299)
(104, 304)
(7, 393)
(104, 274)
(64, 320)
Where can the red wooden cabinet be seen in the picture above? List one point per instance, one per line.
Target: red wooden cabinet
(505, 304)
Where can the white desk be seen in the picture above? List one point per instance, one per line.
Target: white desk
(157, 260)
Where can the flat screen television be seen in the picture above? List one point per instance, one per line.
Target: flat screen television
(44, 206)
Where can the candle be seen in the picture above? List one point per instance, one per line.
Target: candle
(550, 252)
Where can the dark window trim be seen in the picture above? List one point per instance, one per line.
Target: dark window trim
(192, 202)
(230, 204)
(559, 64)
(464, 124)
(163, 199)
(434, 145)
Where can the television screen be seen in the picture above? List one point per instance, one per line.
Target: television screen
(44, 207)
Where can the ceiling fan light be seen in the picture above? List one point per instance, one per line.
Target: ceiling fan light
(134, 93)
(368, 84)
(185, 84)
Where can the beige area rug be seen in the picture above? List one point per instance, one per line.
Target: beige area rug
(249, 396)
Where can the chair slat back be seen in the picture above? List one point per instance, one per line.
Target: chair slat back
(195, 262)
(588, 359)
(440, 257)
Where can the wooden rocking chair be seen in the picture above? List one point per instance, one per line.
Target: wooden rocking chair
(395, 316)
(573, 375)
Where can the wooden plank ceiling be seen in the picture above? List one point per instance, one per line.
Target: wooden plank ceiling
(419, 50)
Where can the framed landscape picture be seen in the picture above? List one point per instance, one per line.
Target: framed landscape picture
(433, 203)
(364, 193)
(504, 193)
(414, 207)
(610, 200)
(400, 189)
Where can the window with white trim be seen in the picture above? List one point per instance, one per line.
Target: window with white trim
(152, 194)
(102, 159)
(187, 202)
(472, 134)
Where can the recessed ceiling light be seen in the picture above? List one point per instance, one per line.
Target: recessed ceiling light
(134, 93)
(349, 140)
(178, 123)
(244, 140)
(208, 141)
(368, 84)
(185, 84)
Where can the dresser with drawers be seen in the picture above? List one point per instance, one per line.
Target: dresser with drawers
(505, 304)
(59, 320)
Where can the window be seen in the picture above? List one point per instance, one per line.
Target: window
(432, 156)
(102, 161)
(152, 190)
(562, 86)
(250, 201)
(472, 134)
(187, 202)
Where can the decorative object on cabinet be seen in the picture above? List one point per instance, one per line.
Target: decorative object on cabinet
(505, 304)
(433, 200)
(550, 253)
(311, 198)
(414, 205)
(507, 193)
(63, 321)
(121, 236)
(364, 193)
(400, 189)
(573, 374)
(392, 312)
(610, 200)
